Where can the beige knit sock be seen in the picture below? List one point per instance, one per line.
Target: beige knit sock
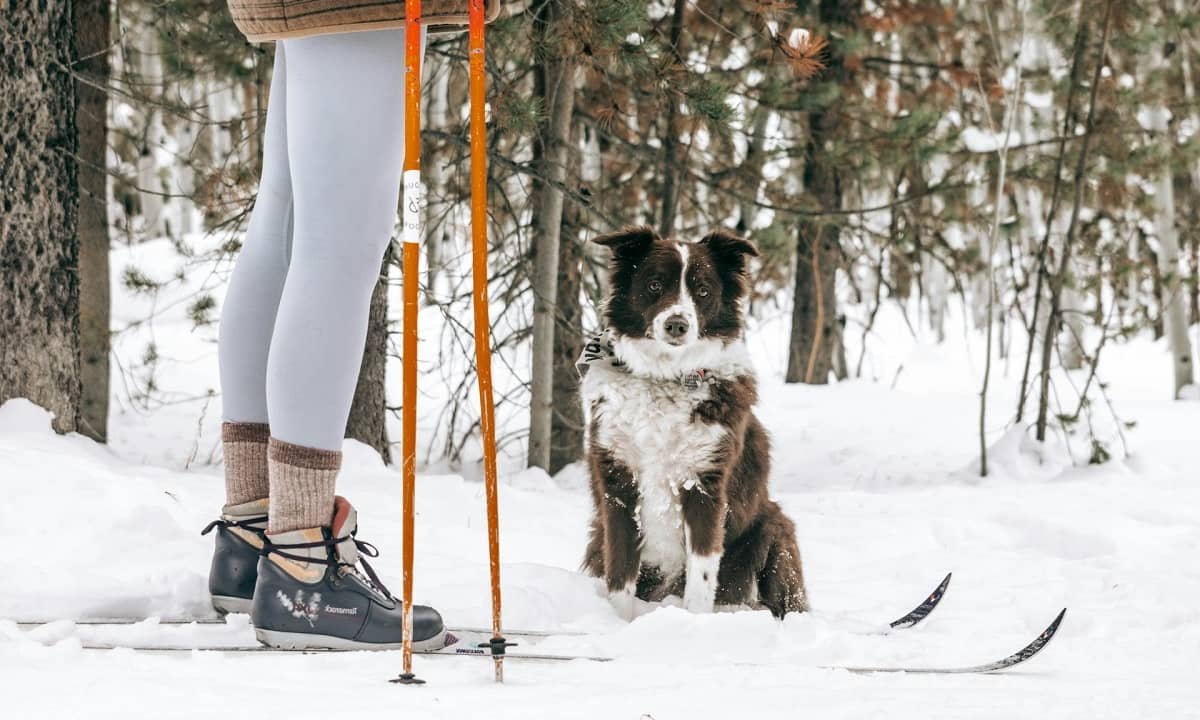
(302, 480)
(245, 446)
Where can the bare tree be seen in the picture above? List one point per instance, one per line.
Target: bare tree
(1054, 319)
(39, 245)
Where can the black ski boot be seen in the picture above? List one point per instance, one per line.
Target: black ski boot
(310, 594)
(240, 533)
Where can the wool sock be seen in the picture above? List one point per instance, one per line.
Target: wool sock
(302, 480)
(245, 446)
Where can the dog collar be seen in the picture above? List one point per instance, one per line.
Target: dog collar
(599, 351)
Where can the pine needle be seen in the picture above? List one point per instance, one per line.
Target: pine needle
(804, 52)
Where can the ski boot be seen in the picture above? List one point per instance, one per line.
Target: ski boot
(310, 594)
(240, 533)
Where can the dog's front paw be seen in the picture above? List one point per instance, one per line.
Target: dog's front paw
(624, 602)
(700, 590)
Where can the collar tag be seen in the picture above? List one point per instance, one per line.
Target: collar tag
(692, 380)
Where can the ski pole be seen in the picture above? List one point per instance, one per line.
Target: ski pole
(411, 235)
(483, 349)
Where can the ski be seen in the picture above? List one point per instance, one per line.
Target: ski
(922, 611)
(472, 642)
(1016, 658)
(467, 645)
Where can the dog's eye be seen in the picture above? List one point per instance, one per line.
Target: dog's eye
(702, 291)
(655, 286)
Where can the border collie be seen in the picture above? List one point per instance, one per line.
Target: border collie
(678, 461)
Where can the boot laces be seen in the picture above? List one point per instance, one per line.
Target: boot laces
(257, 525)
(365, 550)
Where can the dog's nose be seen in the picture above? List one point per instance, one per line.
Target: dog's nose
(676, 326)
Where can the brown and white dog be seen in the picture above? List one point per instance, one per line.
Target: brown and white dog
(678, 461)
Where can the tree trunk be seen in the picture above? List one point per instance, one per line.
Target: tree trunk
(818, 249)
(1172, 297)
(91, 114)
(814, 311)
(368, 413)
(670, 141)
(566, 427)
(149, 181)
(39, 245)
(556, 85)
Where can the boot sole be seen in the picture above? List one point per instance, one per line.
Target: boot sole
(312, 641)
(226, 604)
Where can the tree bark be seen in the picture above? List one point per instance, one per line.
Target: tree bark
(91, 114)
(814, 311)
(556, 85)
(39, 245)
(368, 413)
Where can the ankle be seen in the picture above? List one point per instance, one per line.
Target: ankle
(245, 448)
(301, 486)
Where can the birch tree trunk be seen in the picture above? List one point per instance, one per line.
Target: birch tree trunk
(91, 113)
(39, 246)
(1172, 297)
(556, 85)
(149, 182)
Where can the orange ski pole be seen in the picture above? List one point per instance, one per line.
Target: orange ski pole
(483, 344)
(414, 195)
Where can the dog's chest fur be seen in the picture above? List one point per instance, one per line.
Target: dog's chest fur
(647, 424)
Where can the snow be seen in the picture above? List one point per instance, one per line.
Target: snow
(878, 474)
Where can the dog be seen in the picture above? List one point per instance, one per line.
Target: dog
(678, 462)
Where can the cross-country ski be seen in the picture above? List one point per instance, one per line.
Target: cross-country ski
(472, 643)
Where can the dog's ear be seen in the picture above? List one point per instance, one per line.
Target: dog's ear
(627, 242)
(730, 249)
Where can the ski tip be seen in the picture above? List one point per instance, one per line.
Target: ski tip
(922, 611)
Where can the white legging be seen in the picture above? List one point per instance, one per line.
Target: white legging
(294, 321)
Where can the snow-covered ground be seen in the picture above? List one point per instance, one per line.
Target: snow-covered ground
(878, 476)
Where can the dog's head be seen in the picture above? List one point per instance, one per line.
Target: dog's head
(676, 294)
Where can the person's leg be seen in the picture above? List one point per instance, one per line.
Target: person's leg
(248, 314)
(247, 319)
(345, 120)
